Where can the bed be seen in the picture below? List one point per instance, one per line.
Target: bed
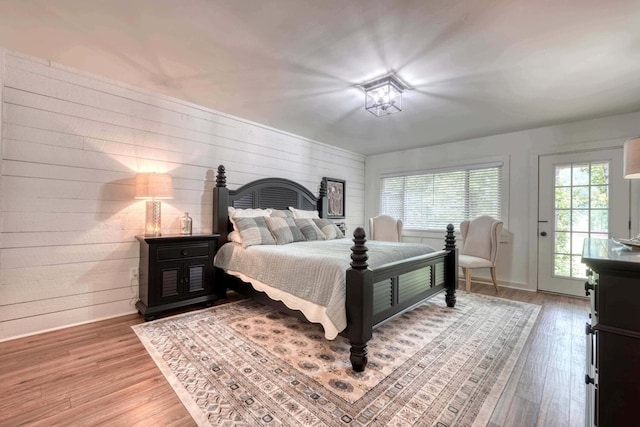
(372, 294)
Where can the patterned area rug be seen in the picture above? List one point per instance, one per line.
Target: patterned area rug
(245, 364)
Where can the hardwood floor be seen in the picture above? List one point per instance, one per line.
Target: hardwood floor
(100, 373)
(547, 386)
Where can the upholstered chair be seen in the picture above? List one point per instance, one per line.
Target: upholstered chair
(385, 227)
(480, 239)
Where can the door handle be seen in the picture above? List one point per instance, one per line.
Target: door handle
(543, 233)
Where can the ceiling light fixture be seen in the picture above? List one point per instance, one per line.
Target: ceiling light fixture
(383, 96)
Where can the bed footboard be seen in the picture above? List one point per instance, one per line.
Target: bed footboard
(376, 296)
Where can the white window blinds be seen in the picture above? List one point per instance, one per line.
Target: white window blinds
(433, 199)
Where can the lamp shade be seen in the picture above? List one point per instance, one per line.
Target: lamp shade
(154, 186)
(631, 152)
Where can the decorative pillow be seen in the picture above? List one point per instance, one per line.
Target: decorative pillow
(245, 213)
(309, 229)
(329, 228)
(284, 230)
(248, 213)
(281, 213)
(234, 236)
(299, 213)
(254, 231)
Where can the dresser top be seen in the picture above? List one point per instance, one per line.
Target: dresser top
(609, 253)
(176, 238)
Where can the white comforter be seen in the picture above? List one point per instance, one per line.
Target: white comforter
(308, 276)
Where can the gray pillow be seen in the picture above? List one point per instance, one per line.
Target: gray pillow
(284, 229)
(310, 229)
(254, 231)
(329, 228)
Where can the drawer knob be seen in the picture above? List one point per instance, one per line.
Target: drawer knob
(589, 380)
(184, 252)
(588, 330)
(588, 287)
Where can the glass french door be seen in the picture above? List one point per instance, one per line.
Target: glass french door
(581, 195)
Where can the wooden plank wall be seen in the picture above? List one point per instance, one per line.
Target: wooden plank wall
(71, 146)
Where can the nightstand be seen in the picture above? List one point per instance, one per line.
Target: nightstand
(175, 271)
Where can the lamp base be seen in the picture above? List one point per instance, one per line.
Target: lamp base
(153, 221)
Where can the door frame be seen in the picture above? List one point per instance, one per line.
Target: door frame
(634, 202)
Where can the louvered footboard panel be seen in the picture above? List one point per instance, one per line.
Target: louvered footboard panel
(413, 284)
(383, 296)
(394, 295)
(439, 274)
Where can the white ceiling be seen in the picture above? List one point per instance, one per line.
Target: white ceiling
(476, 67)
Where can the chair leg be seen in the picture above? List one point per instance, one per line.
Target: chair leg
(467, 278)
(493, 278)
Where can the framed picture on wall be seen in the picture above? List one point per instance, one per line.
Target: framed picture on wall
(335, 195)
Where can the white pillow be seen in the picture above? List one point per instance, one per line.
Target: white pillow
(281, 213)
(299, 213)
(248, 213)
(234, 236)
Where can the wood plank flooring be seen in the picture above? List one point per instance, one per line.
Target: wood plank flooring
(100, 374)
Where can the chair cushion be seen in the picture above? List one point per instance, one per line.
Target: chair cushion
(468, 261)
(385, 227)
(478, 241)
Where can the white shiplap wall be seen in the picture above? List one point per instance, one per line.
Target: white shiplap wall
(71, 146)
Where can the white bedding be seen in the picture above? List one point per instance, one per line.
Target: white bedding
(308, 276)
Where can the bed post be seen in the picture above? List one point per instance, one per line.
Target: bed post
(359, 303)
(451, 267)
(220, 206)
(323, 202)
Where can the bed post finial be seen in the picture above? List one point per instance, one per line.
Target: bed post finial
(323, 201)
(221, 178)
(323, 188)
(450, 238)
(359, 255)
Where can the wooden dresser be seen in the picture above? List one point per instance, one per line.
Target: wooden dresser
(613, 334)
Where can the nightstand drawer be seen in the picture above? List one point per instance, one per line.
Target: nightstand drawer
(186, 251)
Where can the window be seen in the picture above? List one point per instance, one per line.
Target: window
(432, 199)
(581, 196)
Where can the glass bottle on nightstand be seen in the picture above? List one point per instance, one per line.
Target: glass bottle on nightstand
(185, 224)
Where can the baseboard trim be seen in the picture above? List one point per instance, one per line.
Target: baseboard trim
(501, 284)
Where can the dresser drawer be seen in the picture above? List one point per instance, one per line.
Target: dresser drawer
(182, 251)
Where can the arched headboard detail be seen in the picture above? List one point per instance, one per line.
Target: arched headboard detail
(276, 193)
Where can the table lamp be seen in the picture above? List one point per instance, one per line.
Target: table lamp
(153, 187)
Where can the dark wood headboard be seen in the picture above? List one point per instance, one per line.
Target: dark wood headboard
(275, 193)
